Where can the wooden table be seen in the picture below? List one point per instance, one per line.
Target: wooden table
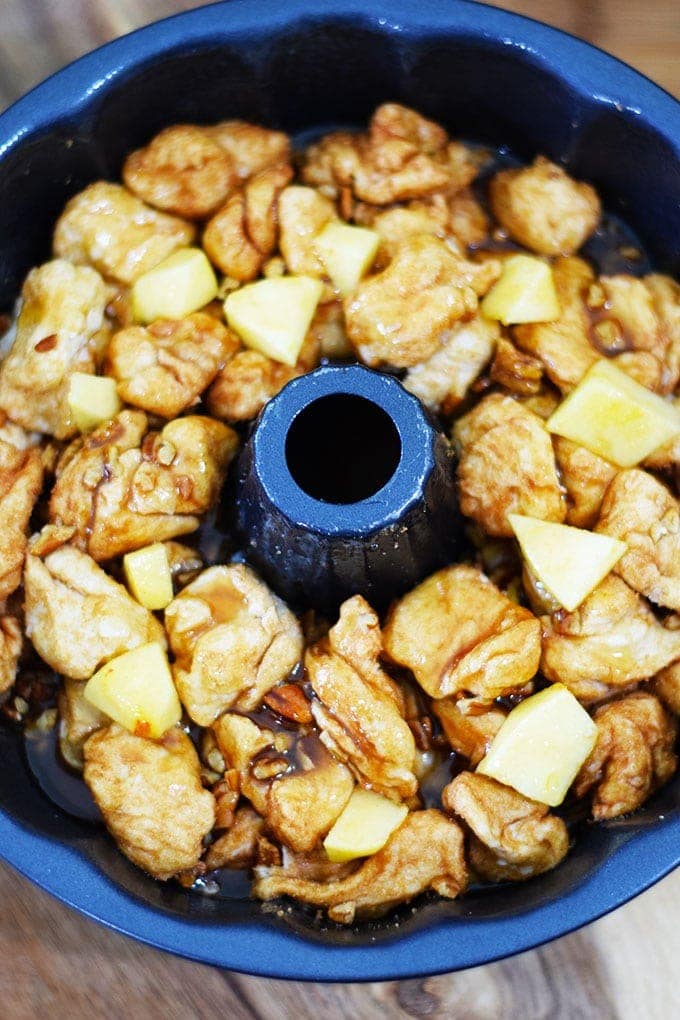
(53, 962)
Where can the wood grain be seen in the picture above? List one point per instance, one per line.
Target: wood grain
(56, 963)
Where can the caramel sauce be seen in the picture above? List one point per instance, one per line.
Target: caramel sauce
(224, 884)
(613, 248)
(267, 719)
(58, 782)
(439, 776)
(304, 751)
(454, 660)
(607, 334)
(108, 437)
(225, 602)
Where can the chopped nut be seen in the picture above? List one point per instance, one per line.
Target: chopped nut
(165, 454)
(268, 854)
(268, 767)
(290, 702)
(422, 732)
(517, 372)
(226, 793)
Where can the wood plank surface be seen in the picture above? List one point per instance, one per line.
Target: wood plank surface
(55, 963)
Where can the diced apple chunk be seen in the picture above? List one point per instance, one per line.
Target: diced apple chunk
(92, 399)
(147, 572)
(568, 561)
(347, 253)
(366, 823)
(136, 690)
(524, 292)
(177, 286)
(541, 745)
(615, 417)
(272, 316)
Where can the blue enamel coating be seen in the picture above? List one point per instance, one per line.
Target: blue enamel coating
(318, 553)
(388, 505)
(481, 70)
(261, 946)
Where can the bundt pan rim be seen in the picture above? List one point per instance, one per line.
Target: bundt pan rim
(580, 105)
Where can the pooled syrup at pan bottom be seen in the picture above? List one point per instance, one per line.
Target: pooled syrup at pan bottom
(62, 785)
(224, 884)
(613, 248)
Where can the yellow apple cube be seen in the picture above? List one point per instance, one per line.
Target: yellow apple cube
(568, 561)
(366, 823)
(541, 745)
(92, 399)
(177, 286)
(524, 292)
(147, 572)
(347, 253)
(273, 316)
(136, 690)
(615, 417)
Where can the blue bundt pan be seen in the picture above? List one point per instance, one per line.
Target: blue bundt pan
(487, 75)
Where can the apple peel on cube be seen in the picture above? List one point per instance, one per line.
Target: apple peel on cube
(569, 562)
(179, 285)
(366, 823)
(347, 253)
(147, 572)
(541, 746)
(524, 292)
(615, 417)
(136, 690)
(92, 399)
(272, 316)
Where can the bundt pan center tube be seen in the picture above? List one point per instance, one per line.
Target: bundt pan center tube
(345, 486)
